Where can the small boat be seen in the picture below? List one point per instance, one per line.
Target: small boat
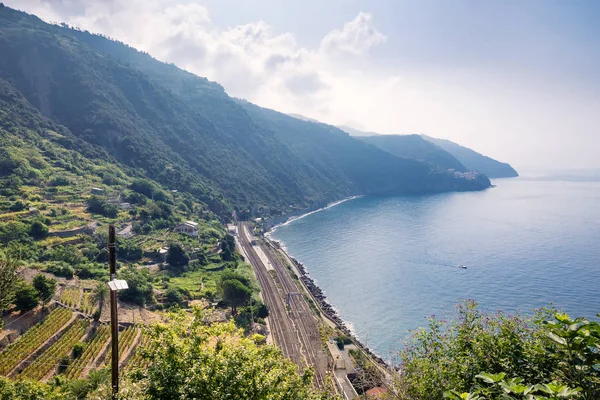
(462, 266)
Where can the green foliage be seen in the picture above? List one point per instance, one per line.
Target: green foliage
(174, 295)
(99, 206)
(26, 296)
(59, 181)
(60, 268)
(24, 389)
(77, 350)
(9, 263)
(128, 250)
(46, 287)
(196, 361)
(18, 206)
(450, 354)
(228, 248)
(38, 230)
(92, 271)
(140, 286)
(495, 356)
(499, 387)
(66, 254)
(144, 186)
(576, 346)
(235, 290)
(13, 231)
(177, 257)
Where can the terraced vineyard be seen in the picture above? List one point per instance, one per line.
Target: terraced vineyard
(32, 339)
(92, 350)
(137, 359)
(53, 355)
(126, 338)
(88, 303)
(71, 296)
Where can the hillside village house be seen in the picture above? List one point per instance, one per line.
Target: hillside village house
(188, 227)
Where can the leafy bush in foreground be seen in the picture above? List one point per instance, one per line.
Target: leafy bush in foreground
(198, 361)
(498, 356)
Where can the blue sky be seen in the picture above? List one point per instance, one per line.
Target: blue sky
(517, 80)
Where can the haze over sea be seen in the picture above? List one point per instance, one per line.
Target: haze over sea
(386, 263)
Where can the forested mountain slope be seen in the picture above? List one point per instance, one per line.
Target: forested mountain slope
(414, 146)
(187, 133)
(475, 161)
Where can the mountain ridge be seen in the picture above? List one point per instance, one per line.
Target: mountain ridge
(187, 133)
(469, 159)
(475, 161)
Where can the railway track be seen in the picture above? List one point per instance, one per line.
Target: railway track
(296, 331)
(281, 326)
(302, 315)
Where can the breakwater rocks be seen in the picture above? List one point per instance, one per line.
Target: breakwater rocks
(329, 311)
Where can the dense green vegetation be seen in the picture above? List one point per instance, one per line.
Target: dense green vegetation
(493, 356)
(475, 161)
(185, 359)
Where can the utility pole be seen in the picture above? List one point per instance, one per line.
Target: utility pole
(114, 323)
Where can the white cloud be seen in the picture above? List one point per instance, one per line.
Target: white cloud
(356, 38)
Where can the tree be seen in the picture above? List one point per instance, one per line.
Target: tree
(215, 362)
(235, 293)
(143, 186)
(100, 292)
(9, 264)
(38, 230)
(174, 295)
(140, 286)
(99, 206)
(46, 287)
(26, 296)
(13, 231)
(176, 256)
(228, 248)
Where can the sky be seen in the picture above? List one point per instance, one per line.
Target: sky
(516, 80)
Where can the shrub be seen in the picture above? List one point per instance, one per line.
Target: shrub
(38, 230)
(60, 269)
(26, 297)
(140, 286)
(59, 181)
(99, 206)
(13, 231)
(177, 257)
(174, 295)
(143, 186)
(259, 339)
(78, 350)
(450, 354)
(18, 206)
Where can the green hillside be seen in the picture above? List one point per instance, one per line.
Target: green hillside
(414, 146)
(475, 161)
(186, 132)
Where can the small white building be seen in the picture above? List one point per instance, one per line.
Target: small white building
(190, 228)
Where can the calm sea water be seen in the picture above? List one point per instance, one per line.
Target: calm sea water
(387, 263)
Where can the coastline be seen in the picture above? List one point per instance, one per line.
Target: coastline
(325, 308)
(295, 215)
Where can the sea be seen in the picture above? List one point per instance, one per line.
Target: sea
(387, 263)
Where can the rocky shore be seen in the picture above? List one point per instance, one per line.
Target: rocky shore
(325, 307)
